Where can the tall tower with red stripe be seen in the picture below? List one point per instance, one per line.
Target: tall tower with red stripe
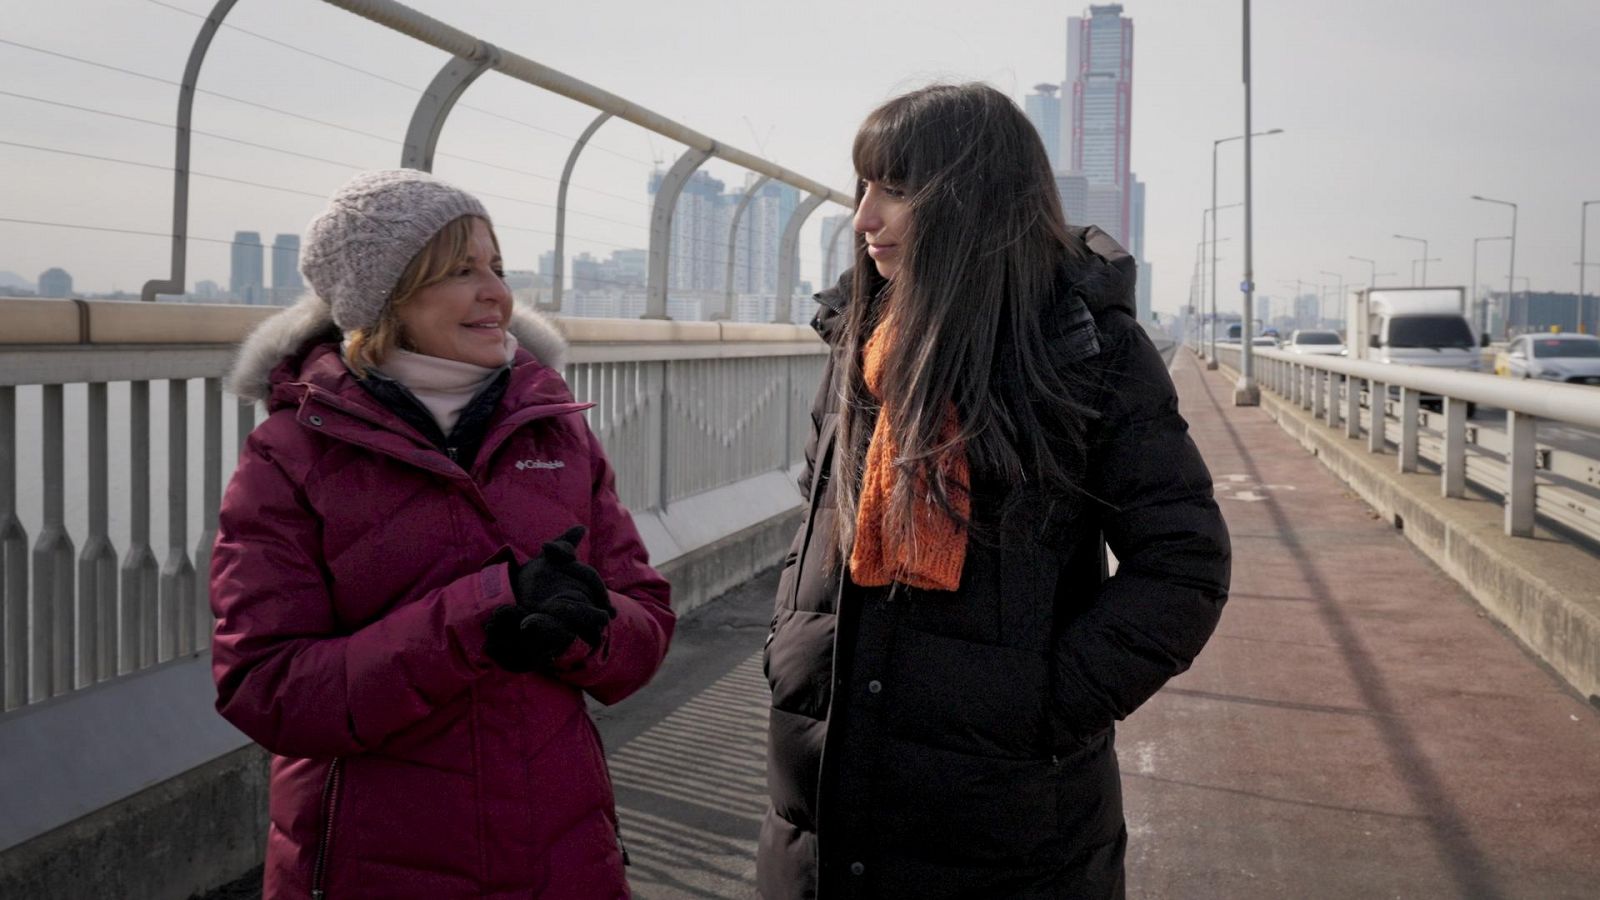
(1100, 81)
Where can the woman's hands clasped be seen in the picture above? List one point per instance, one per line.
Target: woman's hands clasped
(559, 599)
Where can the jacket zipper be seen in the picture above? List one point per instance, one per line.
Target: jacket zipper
(330, 802)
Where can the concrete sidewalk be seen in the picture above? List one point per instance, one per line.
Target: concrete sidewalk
(1357, 727)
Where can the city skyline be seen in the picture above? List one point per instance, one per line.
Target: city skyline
(1394, 145)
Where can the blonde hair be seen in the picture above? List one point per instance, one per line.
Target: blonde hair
(367, 348)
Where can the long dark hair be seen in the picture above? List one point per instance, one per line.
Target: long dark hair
(988, 250)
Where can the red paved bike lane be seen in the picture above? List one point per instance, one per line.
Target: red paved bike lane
(1357, 727)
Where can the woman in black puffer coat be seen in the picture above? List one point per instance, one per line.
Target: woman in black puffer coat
(947, 657)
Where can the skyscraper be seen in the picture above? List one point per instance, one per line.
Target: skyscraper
(1074, 191)
(1136, 247)
(286, 281)
(1100, 69)
(245, 280)
(699, 245)
(1044, 111)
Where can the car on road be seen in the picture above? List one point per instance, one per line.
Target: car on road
(1315, 342)
(1264, 340)
(1572, 358)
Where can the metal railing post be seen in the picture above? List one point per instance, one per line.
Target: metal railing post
(1521, 461)
(54, 626)
(1352, 407)
(13, 564)
(733, 243)
(1331, 382)
(1453, 467)
(788, 257)
(1408, 429)
(1318, 397)
(97, 563)
(210, 504)
(433, 107)
(663, 423)
(136, 632)
(173, 284)
(175, 604)
(560, 268)
(661, 213)
(1377, 403)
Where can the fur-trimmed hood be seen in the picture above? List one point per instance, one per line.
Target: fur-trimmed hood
(310, 321)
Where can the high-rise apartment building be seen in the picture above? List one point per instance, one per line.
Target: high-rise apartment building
(837, 254)
(245, 279)
(698, 250)
(1100, 74)
(1044, 111)
(286, 281)
(698, 260)
(755, 257)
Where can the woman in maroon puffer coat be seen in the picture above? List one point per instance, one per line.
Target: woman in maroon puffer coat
(421, 568)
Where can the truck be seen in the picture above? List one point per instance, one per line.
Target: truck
(1424, 326)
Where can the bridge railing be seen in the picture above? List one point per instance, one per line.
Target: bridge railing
(471, 57)
(1535, 480)
(103, 404)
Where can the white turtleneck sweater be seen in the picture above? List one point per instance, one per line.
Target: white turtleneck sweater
(443, 386)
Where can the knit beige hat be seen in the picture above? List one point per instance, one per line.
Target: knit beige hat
(356, 250)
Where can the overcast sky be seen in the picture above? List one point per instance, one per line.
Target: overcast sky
(1394, 113)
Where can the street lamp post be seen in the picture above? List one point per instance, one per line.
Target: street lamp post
(1511, 273)
(1480, 310)
(1197, 282)
(1372, 278)
(1211, 358)
(1424, 244)
(1578, 317)
(1424, 260)
(1583, 255)
(1245, 393)
(1340, 294)
(1212, 213)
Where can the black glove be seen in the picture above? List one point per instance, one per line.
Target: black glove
(558, 599)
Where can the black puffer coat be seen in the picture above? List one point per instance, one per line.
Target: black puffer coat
(935, 745)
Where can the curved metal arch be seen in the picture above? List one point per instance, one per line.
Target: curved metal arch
(661, 228)
(173, 284)
(733, 240)
(433, 107)
(830, 269)
(561, 214)
(788, 257)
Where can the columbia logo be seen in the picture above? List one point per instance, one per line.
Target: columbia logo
(541, 464)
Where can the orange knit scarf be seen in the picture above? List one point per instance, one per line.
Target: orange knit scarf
(938, 545)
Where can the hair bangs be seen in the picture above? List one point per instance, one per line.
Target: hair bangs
(881, 151)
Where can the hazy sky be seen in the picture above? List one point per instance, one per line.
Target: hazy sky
(1394, 113)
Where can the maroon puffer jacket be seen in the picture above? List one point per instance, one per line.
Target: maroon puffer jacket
(354, 567)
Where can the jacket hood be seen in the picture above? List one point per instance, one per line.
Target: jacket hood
(1105, 283)
(310, 321)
